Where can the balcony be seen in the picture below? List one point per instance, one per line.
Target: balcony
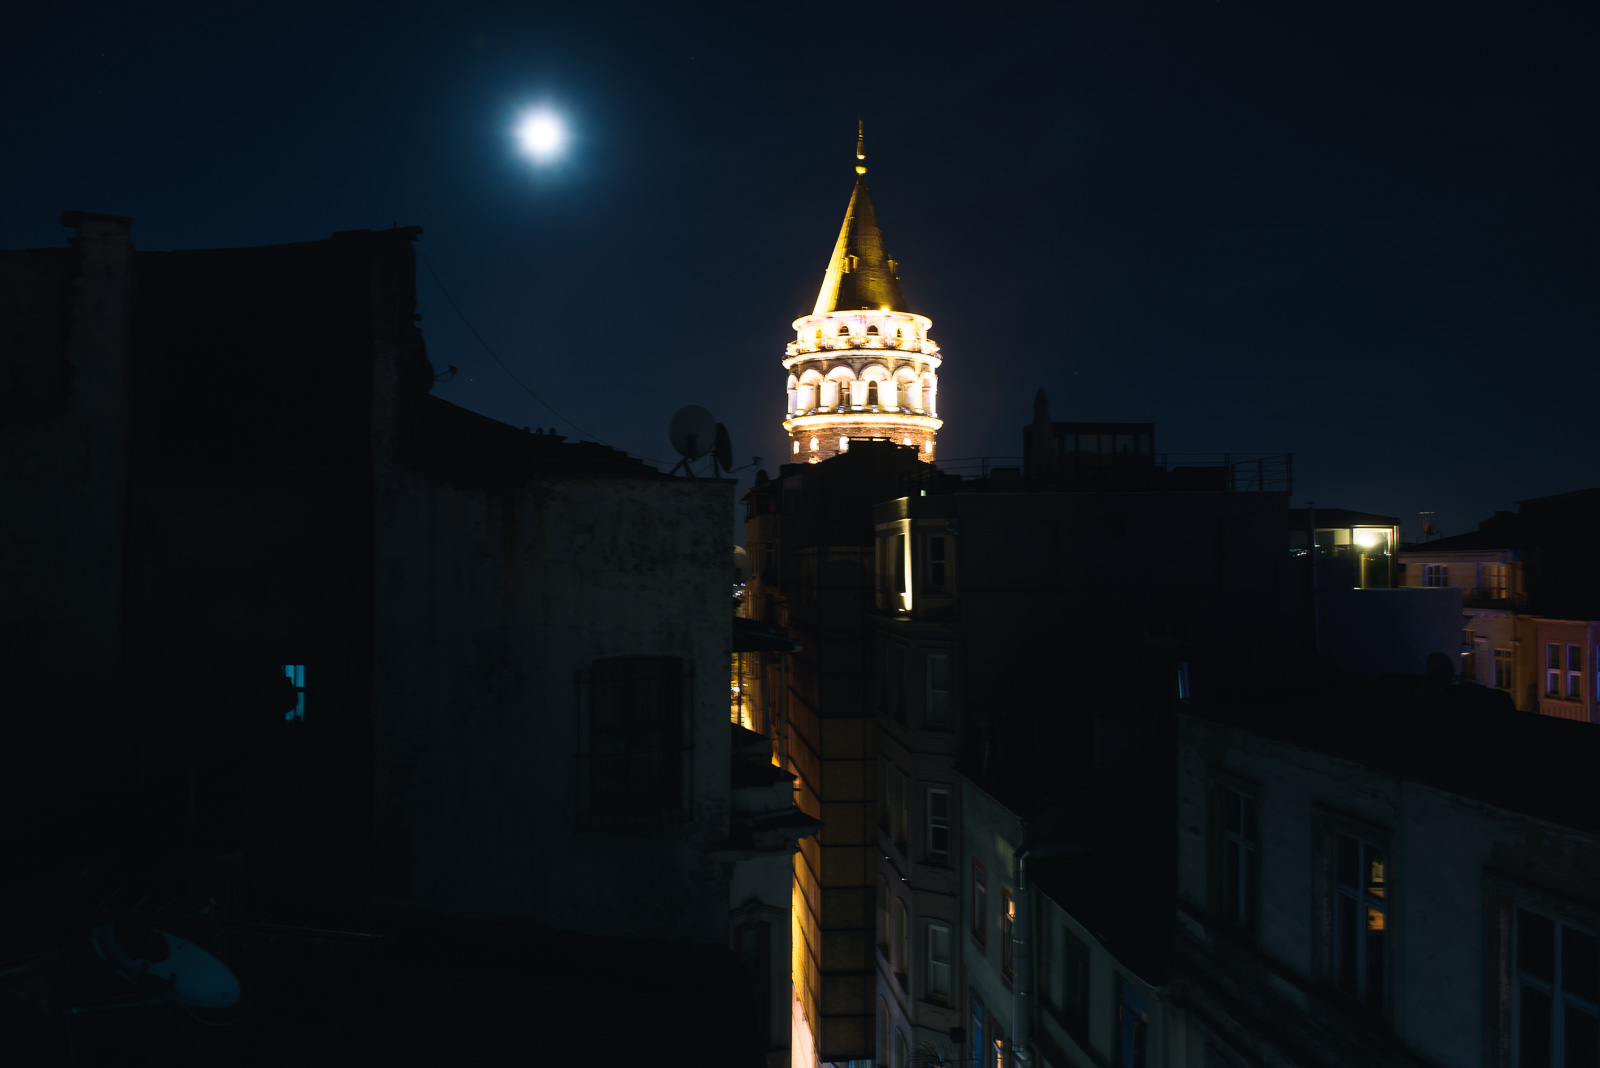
(866, 342)
(1480, 597)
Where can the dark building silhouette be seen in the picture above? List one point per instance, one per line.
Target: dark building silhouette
(412, 718)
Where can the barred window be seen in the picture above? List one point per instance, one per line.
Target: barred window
(635, 744)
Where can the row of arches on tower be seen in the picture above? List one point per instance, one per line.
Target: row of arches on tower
(871, 331)
(875, 387)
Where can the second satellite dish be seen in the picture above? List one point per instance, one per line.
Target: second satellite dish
(693, 431)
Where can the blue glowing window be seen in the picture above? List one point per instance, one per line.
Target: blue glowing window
(296, 674)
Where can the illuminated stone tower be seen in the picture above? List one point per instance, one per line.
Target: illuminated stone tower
(862, 365)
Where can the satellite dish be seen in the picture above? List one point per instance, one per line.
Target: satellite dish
(166, 964)
(742, 565)
(693, 431)
(723, 452)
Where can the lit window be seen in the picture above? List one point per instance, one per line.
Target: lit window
(1360, 920)
(1494, 581)
(927, 446)
(1008, 921)
(844, 444)
(1557, 986)
(908, 441)
(813, 444)
(796, 446)
(938, 823)
(296, 674)
(938, 963)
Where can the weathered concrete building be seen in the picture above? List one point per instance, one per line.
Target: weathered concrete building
(296, 631)
(1354, 891)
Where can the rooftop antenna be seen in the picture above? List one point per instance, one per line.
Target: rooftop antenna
(693, 432)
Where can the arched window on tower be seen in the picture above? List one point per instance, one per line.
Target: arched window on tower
(819, 333)
(844, 331)
(899, 333)
(872, 394)
(813, 444)
(872, 331)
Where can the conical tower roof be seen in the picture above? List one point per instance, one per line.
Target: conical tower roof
(860, 274)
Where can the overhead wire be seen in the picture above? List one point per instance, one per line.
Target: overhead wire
(512, 374)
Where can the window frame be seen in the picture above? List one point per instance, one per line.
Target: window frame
(1328, 826)
(1505, 663)
(295, 674)
(1574, 665)
(1132, 1009)
(1552, 669)
(929, 992)
(676, 755)
(936, 575)
(931, 854)
(881, 933)
(1504, 894)
(978, 906)
(941, 720)
(1008, 924)
(1222, 783)
(900, 951)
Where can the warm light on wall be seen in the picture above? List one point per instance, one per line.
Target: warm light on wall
(1370, 537)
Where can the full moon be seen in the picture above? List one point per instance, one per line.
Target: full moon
(541, 135)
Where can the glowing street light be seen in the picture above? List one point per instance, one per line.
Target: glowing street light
(542, 135)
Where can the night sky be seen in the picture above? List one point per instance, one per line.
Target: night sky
(1362, 233)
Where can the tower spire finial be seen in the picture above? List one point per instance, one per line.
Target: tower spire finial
(861, 147)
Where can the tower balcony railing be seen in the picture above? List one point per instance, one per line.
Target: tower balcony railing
(863, 341)
(859, 410)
